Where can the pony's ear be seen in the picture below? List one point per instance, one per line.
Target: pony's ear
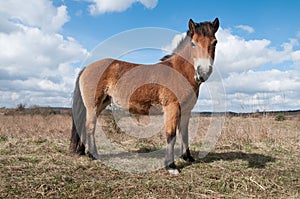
(192, 26)
(216, 24)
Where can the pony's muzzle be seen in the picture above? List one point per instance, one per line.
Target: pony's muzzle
(203, 73)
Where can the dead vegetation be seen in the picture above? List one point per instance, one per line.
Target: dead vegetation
(255, 157)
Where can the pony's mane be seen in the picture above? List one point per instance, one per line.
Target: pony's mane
(203, 28)
(179, 46)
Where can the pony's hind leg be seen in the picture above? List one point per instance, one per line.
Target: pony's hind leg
(183, 133)
(171, 119)
(90, 124)
(91, 120)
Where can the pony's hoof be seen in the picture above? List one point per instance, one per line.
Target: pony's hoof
(187, 156)
(172, 169)
(92, 156)
(189, 159)
(80, 152)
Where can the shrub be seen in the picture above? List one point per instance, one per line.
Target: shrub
(280, 117)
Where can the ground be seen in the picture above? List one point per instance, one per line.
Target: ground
(255, 157)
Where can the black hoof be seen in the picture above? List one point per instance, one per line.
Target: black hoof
(187, 156)
(80, 150)
(188, 159)
(172, 169)
(91, 156)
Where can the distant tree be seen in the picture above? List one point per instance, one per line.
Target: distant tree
(21, 107)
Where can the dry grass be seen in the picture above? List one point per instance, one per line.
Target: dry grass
(254, 158)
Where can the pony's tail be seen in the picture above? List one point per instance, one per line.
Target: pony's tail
(78, 121)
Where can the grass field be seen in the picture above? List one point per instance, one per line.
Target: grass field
(255, 157)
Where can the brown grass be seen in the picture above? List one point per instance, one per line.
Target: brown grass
(254, 158)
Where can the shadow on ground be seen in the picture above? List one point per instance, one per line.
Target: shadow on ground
(254, 160)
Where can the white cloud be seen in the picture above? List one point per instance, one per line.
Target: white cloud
(235, 54)
(103, 6)
(249, 85)
(34, 13)
(269, 89)
(246, 28)
(36, 61)
(262, 81)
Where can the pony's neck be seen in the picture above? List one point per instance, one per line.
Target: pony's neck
(181, 61)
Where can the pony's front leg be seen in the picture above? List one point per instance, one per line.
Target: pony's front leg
(171, 119)
(183, 132)
(90, 129)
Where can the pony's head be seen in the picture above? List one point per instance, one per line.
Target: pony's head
(202, 47)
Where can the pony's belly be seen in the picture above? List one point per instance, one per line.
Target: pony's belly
(140, 108)
(145, 110)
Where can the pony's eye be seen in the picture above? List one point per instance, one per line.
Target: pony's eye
(193, 44)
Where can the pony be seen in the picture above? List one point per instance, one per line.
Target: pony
(173, 84)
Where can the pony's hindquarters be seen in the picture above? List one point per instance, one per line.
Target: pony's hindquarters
(84, 108)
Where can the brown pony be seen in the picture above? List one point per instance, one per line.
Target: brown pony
(172, 84)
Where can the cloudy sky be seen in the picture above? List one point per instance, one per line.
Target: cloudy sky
(45, 43)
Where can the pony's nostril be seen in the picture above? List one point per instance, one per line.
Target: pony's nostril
(198, 70)
(203, 72)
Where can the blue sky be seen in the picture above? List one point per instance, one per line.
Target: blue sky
(44, 44)
(275, 20)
